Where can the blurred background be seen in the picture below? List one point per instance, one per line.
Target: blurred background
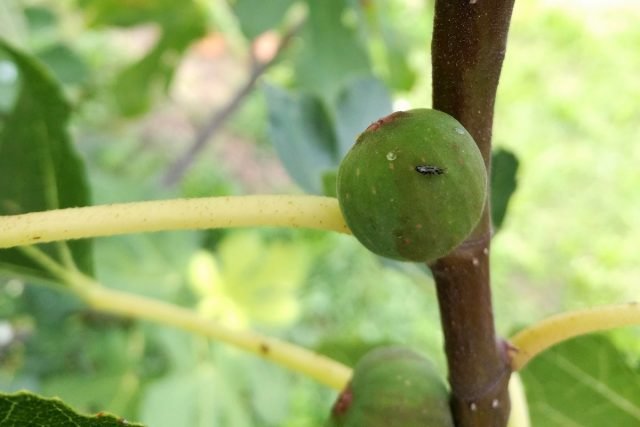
(204, 98)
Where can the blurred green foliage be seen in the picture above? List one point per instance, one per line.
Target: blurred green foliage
(567, 108)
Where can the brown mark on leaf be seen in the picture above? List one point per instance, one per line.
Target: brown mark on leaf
(344, 401)
(36, 238)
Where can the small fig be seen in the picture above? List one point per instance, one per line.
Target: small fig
(393, 387)
(413, 186)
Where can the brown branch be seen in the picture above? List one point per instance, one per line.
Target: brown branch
(218, 118)
(469, 42)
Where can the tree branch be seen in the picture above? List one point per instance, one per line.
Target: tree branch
(468, 47)
(217, 118)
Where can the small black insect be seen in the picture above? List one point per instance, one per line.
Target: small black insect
(429, 170)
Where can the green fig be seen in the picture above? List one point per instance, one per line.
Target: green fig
(393, 387)
(413, 186)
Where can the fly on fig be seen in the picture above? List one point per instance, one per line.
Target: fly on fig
(429, 170)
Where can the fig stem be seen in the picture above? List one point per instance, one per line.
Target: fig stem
(298, 359)
(468, 48)
(178, 214)
(321, 368)
(533, 340)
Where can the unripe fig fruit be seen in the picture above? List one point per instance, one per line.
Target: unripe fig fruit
(393, 387)
(413, 186)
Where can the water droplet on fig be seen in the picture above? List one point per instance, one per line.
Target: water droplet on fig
(459, 131)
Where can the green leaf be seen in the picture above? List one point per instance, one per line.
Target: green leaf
(400, 74)
(504, 168)
(362, 101)
(136, 87)
(199, 396)
(584, 382)
(40, 18)
(389, 44)
(332, 52)
(25, 409)
(250, 280)
(65, 64)
(39, 168)
(312, 135)
(301, 131)
(126, 13)
(253, 24)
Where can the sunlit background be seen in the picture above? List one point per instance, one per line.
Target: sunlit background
(146, 81)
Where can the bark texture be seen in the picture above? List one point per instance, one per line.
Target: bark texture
(468, 48)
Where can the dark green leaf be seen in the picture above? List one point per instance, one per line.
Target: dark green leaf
(258, 16)
(136, 85)
(29, 410)
(65, 64)
(301, 132)
(39, 168)
(39, 17)
(584, 382)
(363, 101)
(331, 52)
(126, 13)
(504, 167)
